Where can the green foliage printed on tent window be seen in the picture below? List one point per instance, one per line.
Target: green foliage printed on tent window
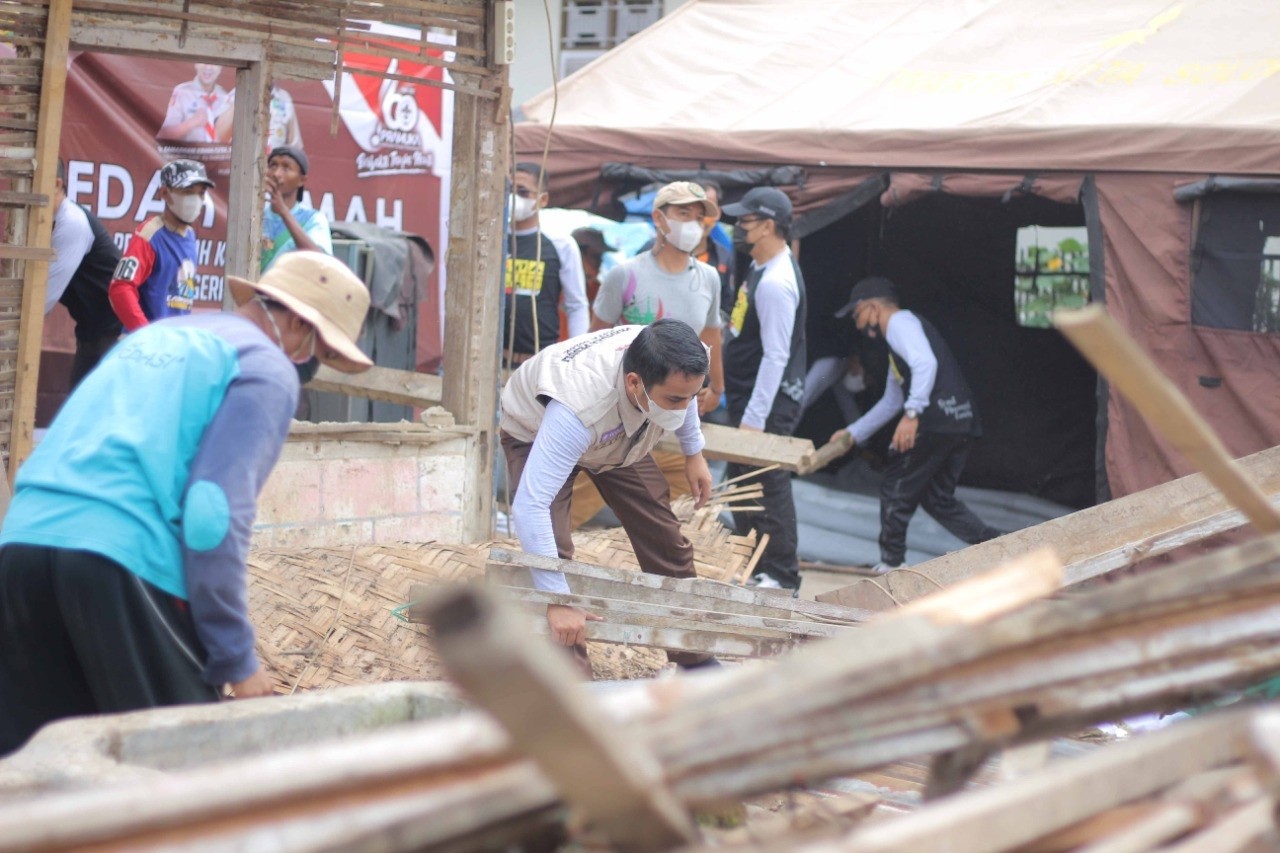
(1051, 271)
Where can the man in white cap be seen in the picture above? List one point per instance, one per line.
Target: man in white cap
(122, 557)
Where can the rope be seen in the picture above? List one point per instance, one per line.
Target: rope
(920, 575)
(871, 581)
(337, 617)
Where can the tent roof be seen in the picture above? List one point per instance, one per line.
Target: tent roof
(1129, 85)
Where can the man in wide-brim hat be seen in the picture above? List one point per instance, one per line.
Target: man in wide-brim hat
(122, 557)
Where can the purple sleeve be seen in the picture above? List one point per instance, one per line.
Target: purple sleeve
(238, 451)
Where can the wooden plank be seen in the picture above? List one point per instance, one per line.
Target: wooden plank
(403, 387)
(1251, 827)
(994, 593)
(473, 263)
(533, 692)
(748, 448)
(619, 609)
(53, 87)
(1165, 823)
(1091, 541)
(1063, 794)
(244, 198)
(718, 595)
(221, 51)
(25, 253)
(829, 452)
(16, 199)
(1165, 409)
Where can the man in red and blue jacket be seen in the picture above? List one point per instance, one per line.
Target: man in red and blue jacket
(156, 276)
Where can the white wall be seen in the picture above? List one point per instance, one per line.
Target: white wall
(532, 71)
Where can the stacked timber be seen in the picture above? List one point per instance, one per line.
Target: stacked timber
(980, 667)
(1206, 786)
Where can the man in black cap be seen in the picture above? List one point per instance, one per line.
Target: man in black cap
(764, 367)
(156, 276)
(939, 420)
(289, 223)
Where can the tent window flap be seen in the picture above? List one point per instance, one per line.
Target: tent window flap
(1236, 263)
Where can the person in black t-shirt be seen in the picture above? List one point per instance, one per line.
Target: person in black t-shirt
(541, 271)
(931, 441)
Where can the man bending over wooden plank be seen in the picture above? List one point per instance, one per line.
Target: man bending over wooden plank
(599, 403)
(122, 559)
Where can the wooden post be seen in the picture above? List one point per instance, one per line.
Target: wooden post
(35, 275)
(473, 262)
(244, 197)
(531, 689)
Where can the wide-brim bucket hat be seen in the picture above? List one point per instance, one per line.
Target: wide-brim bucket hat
(324, 292)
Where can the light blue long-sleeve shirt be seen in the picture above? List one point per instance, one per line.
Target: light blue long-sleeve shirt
(561, 441)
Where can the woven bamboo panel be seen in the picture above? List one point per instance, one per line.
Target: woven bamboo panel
(324, 615)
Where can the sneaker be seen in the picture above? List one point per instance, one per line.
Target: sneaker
(763, 581)
(883, 568)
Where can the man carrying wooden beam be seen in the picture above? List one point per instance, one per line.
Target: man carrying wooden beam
(599, 404)
(122, 558)
(939, 420)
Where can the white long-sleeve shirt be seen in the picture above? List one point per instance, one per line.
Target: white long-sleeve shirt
(72, 240)
(561, 441)
(777, 298)
(907, 339)
(573, 283)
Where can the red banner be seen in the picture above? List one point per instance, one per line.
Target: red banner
(125, 117)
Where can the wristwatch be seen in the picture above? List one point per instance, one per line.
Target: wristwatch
(911, 414)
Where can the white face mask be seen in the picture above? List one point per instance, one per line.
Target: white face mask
(186, 207)
(685, 236)
(667, 419)
(522, 208)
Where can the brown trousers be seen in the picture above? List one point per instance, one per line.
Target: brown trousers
(587, 502)
(638, 496)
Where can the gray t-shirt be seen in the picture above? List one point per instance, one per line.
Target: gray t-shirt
(638, 291)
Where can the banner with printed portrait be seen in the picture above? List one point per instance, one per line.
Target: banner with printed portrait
(388, 163)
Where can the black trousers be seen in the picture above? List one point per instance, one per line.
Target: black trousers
(926, 476)
(89, 353)
(81, 635)
(778, 518)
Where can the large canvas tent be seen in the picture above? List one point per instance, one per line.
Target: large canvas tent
(917, 137)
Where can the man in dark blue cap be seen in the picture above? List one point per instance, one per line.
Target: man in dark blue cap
(939, 422)
(289, 222)
(764, 367)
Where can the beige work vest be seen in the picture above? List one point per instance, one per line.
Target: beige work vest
(584, 373)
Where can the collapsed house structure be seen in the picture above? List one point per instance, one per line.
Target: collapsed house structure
(340, 474)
